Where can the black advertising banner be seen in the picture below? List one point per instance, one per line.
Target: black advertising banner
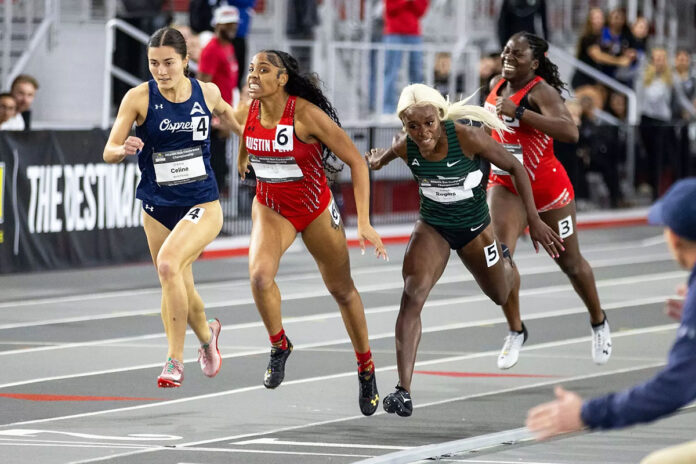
(62, 207)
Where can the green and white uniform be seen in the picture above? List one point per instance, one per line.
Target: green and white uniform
(451, 195)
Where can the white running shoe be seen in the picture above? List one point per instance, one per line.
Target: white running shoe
(209, 354)
(511, 348)
(601, 342)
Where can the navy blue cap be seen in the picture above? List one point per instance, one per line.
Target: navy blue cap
(677, 209)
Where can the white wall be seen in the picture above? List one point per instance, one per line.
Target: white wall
(70, 77)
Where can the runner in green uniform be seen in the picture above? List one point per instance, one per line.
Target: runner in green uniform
(444, 158)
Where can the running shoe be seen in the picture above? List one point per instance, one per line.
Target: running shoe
(369, 396)
(399, 402)
(511, 348)
(601, 342)
(172, 375)
(209, 354)
(275, 372)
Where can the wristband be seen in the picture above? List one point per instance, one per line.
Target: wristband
(519, 111)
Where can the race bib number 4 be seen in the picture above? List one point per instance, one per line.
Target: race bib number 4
(179, 166)
(195, 214)
(201, 127)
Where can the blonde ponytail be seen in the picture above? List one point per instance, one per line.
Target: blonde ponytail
(423, 94)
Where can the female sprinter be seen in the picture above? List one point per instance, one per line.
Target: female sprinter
(444, 158)
(181, 211)
(290, 129)
(527, 98)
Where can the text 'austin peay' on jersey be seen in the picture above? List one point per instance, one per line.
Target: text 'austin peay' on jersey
(290, 176)
(534, 149)
(175, 159)
(451, 195)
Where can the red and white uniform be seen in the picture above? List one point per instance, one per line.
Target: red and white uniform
(290, 176)
(534, 149)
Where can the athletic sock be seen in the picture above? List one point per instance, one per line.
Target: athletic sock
(365, 363)
(279, 340)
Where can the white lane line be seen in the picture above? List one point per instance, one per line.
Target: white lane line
(183, 446)
(275, 441)
(241, 450)
(464, 277)
(392, 308)
(631, 245)
(169, 403)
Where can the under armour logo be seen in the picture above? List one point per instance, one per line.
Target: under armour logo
(149, 208)
(159, 107)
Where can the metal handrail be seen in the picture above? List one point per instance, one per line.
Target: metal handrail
(111, 70)
(631, 98)
(50, 19)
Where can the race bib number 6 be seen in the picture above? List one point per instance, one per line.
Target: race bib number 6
(283, 138)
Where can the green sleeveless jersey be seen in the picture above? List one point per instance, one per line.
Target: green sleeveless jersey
(450, 190)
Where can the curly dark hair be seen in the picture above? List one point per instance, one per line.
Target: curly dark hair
(547, 69)
(307, 86)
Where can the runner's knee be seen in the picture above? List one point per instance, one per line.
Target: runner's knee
(261, 277)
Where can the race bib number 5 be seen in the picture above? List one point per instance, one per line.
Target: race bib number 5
(491, 253)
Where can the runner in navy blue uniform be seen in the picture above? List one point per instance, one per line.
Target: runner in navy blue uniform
(177, 188)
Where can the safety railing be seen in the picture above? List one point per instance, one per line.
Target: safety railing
(20, 19)
(632, 111)
(111, 70)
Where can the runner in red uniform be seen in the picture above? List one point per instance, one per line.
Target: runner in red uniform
(527, 98)
(291, 132)
(290, 175)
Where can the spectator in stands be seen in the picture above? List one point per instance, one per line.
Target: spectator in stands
(616, 41)
(521, 16)
(23, 90)
(672, 387)
(9, 118)
(655, 125)
(591, 53)
(402, 27)
(218, 65)
(302, 18)
(194, 48)
(245, 8)
(600, 149)
(489, 67)
(683, 108)
(441, 75)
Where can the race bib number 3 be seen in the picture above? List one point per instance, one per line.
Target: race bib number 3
(283, 138)
(195, 214)
(565, 227)
(491, 254)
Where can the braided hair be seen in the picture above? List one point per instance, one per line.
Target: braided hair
(307, 86)
(547, 70)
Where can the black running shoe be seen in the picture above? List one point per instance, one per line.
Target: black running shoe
(275, 372)
(399, 402)
(369, 396)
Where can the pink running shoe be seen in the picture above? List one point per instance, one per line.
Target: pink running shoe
(209, 354)
(172, 375)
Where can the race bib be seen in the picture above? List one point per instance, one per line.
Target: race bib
(276, 169)
(283, 138)
(450, 190)
(516, 151)
(179, 166)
